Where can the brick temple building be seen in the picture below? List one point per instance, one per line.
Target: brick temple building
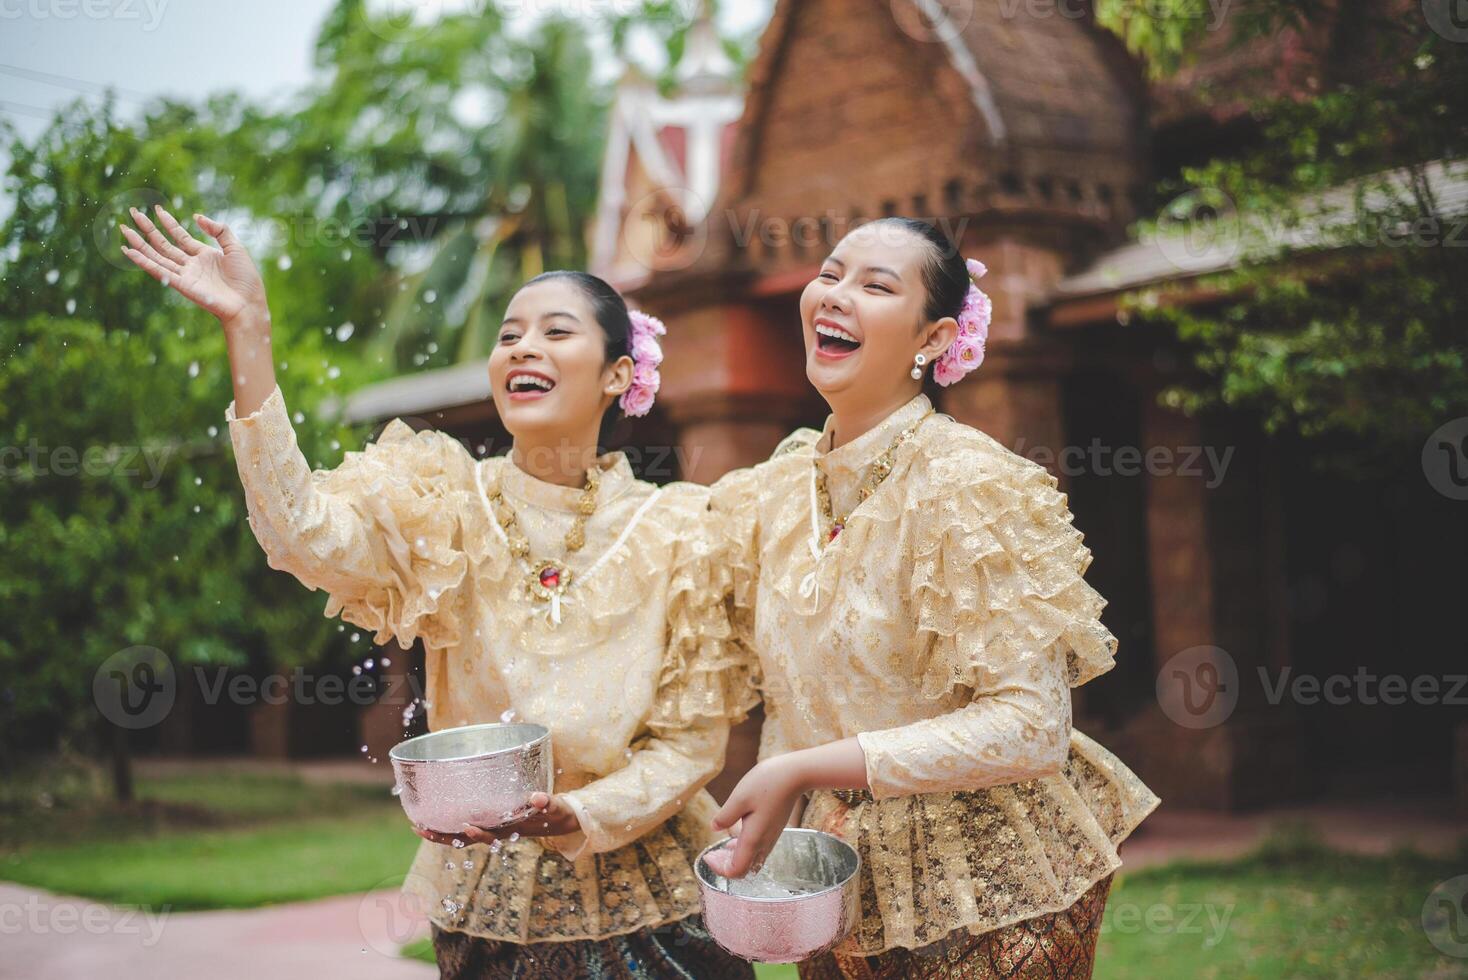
(1230, 562)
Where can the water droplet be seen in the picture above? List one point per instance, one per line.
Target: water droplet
(283, 263)
(358, 636)
(196, 508)
(345, 330)
(54, 274)
(367, 664)
(346, 255)
(386, 662)
(356, 670)
(166, 279)
(70, 306)
(364, 748)
(397, 789)
(107, 170)
(507, 716)
(198, 481)
(333, 372)
(213, 431)
(299, 417)
(193, 369)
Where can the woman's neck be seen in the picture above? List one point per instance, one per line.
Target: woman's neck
(560, 459)
(852, 420)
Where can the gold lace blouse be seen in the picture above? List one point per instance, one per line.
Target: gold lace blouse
(638, 684)
(943, 628)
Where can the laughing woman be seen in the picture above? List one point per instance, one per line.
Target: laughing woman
(550, 585)
(914, 592)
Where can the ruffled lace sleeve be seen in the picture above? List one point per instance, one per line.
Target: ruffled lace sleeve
(705, 684)
(997, 573)
(378, 533)
(706, 674)
(734, 525)
(1005, 624)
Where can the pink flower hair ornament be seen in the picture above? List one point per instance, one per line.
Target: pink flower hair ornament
(647, 354)
(966, 352)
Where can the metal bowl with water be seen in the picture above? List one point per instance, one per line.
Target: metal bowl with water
(800, 904)
(479, 774)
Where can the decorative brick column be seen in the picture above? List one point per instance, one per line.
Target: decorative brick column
(1217, 744)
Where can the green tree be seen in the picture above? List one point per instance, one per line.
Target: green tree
(1344, 317)
(120, 510)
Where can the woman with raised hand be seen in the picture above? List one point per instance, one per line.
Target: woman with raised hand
(914, 593)
(549, 585)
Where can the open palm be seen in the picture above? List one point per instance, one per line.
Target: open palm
(222, 280)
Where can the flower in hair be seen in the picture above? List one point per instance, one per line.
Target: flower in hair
(647, 354)
(966, 352)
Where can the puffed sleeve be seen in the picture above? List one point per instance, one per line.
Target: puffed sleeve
(705, 684)
(733, 521)
(377, 533)
(1004, 619)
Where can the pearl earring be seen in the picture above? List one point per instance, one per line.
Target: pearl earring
(917, 366)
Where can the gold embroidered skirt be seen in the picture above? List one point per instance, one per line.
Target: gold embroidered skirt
(681, 950)
(1060, 944)
(933, 864)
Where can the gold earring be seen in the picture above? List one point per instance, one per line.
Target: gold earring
(917, 366)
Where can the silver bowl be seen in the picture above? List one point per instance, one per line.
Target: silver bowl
(800, 904)
(479, 774)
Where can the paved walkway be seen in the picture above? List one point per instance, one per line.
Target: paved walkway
(357, 936)
(1376, 827)
(58, 938)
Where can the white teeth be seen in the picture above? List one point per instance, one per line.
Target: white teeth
(836, 332)
(524, 382)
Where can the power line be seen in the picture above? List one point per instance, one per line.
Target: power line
(75, 84)
(21, 109)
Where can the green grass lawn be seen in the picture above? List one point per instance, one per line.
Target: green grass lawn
(1289, 911)
(226, 840)
(204, 841)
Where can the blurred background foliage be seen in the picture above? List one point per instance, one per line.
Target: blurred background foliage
(392, 209)
(396, 203)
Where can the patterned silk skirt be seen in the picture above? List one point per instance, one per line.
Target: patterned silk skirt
(681, 950)
(1061, 944)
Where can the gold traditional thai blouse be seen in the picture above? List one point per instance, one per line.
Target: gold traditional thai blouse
(943, 628)
(638, 684)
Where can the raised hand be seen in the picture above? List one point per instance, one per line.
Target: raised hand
(222, 280)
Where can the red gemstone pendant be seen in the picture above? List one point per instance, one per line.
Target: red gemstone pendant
(550, 577)
(835, 530)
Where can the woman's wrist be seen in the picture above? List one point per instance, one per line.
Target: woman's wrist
(835, 765)
(800, 772)
(251, 321)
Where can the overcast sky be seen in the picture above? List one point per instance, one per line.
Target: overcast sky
(54, 50)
